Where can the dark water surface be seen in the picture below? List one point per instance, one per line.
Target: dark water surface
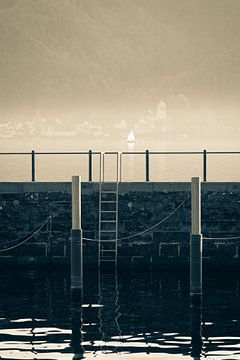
(132, 315)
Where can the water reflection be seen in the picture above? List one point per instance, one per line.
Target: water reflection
(196, 330)
(77, 330)
(127, 315)
(109, 309)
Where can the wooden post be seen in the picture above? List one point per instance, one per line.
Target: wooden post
(76, 238)
(33, 165)
(196, 242)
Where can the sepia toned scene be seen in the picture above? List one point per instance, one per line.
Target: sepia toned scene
(120, 179)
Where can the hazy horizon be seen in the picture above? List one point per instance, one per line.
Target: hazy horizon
(96, 69)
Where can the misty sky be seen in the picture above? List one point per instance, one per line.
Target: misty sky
(112, 58)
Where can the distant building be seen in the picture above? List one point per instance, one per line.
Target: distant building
(159, 120)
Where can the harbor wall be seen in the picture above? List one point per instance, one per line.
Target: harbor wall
(24, 206)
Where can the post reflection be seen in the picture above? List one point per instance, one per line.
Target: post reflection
(77, 334)
(196, 331)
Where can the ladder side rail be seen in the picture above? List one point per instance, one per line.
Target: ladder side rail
(117, 175)
(120, 168)
(100, 167)
(99, 225)
(103, 171)
(116, 244)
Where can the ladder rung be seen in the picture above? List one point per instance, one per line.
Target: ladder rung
(108, 254)
(108, 182)
(108, 192)
(106, 241)
(110, 202)
(102, 250)
(108, 221)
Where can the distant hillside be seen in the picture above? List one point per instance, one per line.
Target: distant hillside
(65, 53)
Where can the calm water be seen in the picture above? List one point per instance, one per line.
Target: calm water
(162, 167)
(140, 316)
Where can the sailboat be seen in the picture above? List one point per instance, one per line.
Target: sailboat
(131, 137)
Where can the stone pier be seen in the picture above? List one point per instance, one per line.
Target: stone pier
(23, 206)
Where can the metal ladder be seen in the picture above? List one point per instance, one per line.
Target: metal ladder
(108, 218)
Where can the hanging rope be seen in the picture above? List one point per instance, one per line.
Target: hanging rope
(50, 226)
(30, 237)
(146, 230)
(222, 238)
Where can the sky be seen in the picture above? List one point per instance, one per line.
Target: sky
(104, 61)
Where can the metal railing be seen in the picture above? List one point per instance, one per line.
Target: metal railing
(33, 154)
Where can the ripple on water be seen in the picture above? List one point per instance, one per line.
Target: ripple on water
(131, 317)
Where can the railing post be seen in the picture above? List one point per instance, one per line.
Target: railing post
(33, 165)
(90, 165)
(147, 165)
(120, 167)
(196, 242)
(204, 165)
(76, 239)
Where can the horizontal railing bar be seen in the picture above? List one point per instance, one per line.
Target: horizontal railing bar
(18, 153)
(50, 153)
(175, 152)
(67, 153)
(179, 152)
(110, 152)
(224, 152)
(134, 152)
(123, 152)
(163, 153)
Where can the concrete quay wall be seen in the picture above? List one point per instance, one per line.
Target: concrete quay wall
(23, 206)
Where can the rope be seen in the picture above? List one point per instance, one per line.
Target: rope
(224, 238)
(146, 230)
(30, 237)
(50, 226)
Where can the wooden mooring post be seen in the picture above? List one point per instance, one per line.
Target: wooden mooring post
(76, 239)
(196, 242)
